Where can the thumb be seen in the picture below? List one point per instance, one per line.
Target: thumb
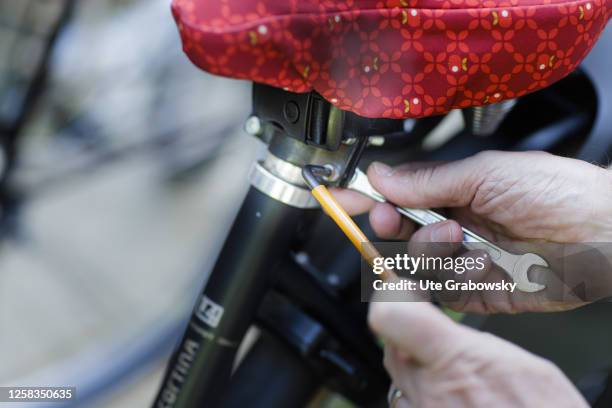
(451, 184)
(418, 329)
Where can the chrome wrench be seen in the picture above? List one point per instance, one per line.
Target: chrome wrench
(516, 266)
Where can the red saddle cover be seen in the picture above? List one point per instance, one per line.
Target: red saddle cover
(394, 58)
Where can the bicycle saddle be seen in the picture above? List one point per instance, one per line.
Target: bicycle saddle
(394, 58)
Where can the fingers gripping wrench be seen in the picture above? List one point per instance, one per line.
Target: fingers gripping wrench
(516, 266)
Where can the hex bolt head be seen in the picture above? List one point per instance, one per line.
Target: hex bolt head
(253, 126)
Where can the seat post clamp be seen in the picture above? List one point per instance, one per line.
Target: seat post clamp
(282, 181)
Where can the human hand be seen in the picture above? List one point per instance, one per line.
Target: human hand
(503, 195)
(435, 362)
(527, 196)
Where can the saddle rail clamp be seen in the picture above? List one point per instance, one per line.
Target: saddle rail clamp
(515, 265)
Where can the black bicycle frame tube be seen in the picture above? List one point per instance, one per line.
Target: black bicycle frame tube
(261, 236)
(288, 380)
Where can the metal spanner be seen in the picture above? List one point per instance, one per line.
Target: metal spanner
(516, 266)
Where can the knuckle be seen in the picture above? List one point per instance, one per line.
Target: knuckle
(483, 155)
(539, 153)
(422, 178)
(378, 314)
(547, 367)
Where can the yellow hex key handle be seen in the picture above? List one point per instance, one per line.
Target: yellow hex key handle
(333, 208)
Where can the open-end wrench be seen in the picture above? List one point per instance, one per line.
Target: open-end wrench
(516, 266)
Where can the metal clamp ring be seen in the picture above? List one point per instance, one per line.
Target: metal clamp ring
(279, 189)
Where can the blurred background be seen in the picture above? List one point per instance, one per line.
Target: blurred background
(126, 167)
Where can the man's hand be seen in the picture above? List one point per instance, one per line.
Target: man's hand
(438, 363)
(502, 195)
(526, 196)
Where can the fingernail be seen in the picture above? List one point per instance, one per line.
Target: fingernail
(382, 169)
(442, 233)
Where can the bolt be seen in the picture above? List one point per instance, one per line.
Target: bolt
(334, 173)
(253, 126)
(376, 141)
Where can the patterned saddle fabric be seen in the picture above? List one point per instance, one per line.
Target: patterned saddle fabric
(394, 58)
